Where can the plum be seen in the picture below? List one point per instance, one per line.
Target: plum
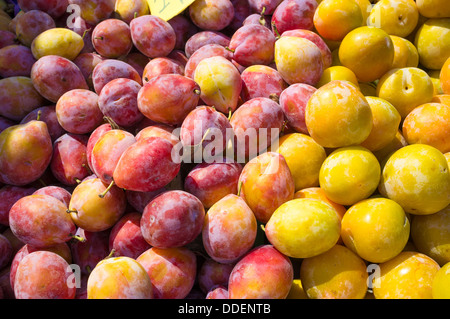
(294, 14)
(261, 81)
(111, 69)
(32, 23)
(229, 230)
(161, 65)
(86, 62)
(41, 221)
(213, 15)
(172, 271)
(46, 114)
(6, 252)
(152, 36)
(172, 219)
(128, 10)
(16, 60)
(205, 37)
(138, 200)
(118, 101)
(253, 44)
(266, 182)
(69, 163)
(55, 8)
(78, 111)
(184, 29)
(56, 191)
(52, 76)
(218, 292)
(119, 278)
(263, 273)
(206, 51)
(93, 213)
(25, 153)
(43, 275)
(126, 238)
(7, 38)
(94, 11)
(266, 7)
(107, 151)
(18, 97)
(257, 123)
(111, 38)
(168, 98)
(220, 83)
(210, 182)
(93, 138)
(212, 274)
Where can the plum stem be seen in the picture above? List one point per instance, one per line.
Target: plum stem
(85, 32)
(229, 49)
(111, 253)
(78, 181)
(239, 188)
(69, 211)
(98, 38)
(39, 113)
(263, 228)
(79, 238)
(275, 29)
(135, 14)
(229, 113)
(113, 124)
(103, 194)
(262, 19)
(275, 97)
(197, 91)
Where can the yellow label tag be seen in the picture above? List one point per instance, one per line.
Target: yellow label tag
(167, 9)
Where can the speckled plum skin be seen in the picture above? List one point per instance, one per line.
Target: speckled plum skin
(205, 37)
(10, 194)
(19, 97)
(118, 101)
(210, 182)
(62, 250)
(263, 273)
(158, 130)
(111, 38)
(31, 24)
(205, 120)
(255, 114)
(147, 165)
(172, 271)
(16, 60)
(69, 162)
(214, 15)
(53, 75)
(78, 111)
(93, 138)
(152, 36)
(172, 219)
(126, 237)
(111, 69)
(43, 275)
(86, 62)
(253, 44)
(317, 40)
(107, 152)
(56, 191)
(212, 274)
(261, 81)
(26, 151)
(168, 98)
(41, 221)
(55, 8)
(161, 65)
(46, 114)
(293, 102)
(86, 254)
(206, 51)
(229, 230)
(295, 14)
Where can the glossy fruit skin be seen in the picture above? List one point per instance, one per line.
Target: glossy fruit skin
(253, 277)
(296, 217)
(409, 275)
(337, 273)
(370, 213)
(369, 61)
(111, 38)
(119, 278)
(428, 197)
(441, 281)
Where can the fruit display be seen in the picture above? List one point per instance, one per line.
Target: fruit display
(224, 149)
